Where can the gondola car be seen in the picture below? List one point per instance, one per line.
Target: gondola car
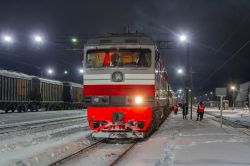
(24, 93)
(126, 86)
(14, 91)
(72, 95)
(46, 93)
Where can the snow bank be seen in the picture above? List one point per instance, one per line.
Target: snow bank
(241, 116)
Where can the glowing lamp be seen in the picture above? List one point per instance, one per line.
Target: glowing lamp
(138, 100)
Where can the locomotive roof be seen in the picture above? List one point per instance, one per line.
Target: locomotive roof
(127, 38)
(13, 74)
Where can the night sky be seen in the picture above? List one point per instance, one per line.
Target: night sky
(216, 30)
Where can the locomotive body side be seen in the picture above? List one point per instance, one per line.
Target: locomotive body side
(123, 97)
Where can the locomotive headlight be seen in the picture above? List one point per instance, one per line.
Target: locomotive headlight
(138, 100)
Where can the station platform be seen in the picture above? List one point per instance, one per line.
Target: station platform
(181, 142)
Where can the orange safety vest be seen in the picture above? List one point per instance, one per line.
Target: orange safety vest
(201, 108)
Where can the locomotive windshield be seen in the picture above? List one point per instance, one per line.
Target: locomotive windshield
(118, 58)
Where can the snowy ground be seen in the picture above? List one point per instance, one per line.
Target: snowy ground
(45, 144)
(12, 118)
(184, 142)
(239, 115)
(178, 142)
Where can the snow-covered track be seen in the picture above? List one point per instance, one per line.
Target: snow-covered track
(70, 157)
(243, 128)
(38, 123)
(234, 124)
(123, 154)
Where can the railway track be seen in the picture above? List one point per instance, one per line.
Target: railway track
(71, 156)
(243, 128)
(93, 147)
(37, 124)
(122, 155)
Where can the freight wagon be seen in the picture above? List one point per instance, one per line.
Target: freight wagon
(24, 93)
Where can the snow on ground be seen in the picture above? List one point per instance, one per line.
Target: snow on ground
(239, 115)
(46, 152)
(103, 155)
(12, 118)
(178, 142)
(185, 142)
(43, 145)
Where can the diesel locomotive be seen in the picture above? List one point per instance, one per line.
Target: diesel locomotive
(126, 87)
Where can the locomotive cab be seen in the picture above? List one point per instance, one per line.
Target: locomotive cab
(125, 86)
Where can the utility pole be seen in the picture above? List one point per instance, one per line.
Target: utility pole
(189, 88)
(191, 92)
(221, 97)
(249, 101)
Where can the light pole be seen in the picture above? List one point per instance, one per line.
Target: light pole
(233, 89)
(183, 38)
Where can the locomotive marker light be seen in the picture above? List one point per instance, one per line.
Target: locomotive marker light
(138, 100)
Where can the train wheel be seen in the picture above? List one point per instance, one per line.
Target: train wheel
(25, 109)
(149, 130)
(36, 108)
(19, 109)
(156, 120)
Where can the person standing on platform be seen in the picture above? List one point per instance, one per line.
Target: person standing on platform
(175, 109)
(184, 110)
(200, 111)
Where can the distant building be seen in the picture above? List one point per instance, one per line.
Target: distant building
(242, 98)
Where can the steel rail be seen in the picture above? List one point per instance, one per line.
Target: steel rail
(123, 154)
(71, 156)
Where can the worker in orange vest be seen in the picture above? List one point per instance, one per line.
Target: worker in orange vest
(175, 109)
(200, 111)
